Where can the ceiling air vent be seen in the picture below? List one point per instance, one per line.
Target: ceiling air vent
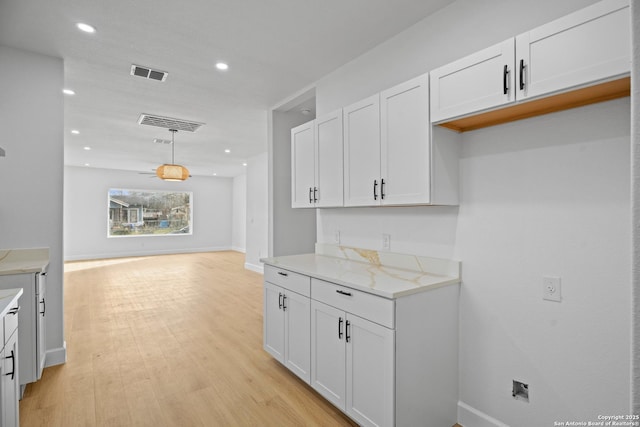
(148, 73)
(168, 123)
(161, 141)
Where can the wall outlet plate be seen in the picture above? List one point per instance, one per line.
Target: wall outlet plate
(336, 237)
(520, 391)
(551, 289)
(386, 242)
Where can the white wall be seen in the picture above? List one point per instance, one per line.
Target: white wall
(85, 215)
(285, 221)
(544, 196)
(31, 174)
(635, 201)
(239, 220)
(257, 212)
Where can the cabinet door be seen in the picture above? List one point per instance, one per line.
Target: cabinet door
(405, 144)
(41, 329)
(273, 322)
(329, 166)
(302, 166)
(297, 355)
(10, 385)
(328, 352)
(28, 320)
(586, 46)
(362, 153)
(480, 81)
(370, 372)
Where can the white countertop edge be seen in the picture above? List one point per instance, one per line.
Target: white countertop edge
(22, 261)
(277, 262)
(8, 299)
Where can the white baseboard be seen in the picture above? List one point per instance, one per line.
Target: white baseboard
(469, 416)
(253, 267)
(56, 356)
(144, 253)
(238, 249)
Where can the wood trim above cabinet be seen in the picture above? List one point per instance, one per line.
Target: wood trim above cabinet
(563, 101)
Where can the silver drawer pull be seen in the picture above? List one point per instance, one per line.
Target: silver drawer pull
(340, 291)
(282, 274)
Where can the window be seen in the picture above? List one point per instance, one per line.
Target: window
(148, 212)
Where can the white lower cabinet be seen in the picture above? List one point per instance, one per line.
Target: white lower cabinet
(9, 365)
(382, 361)
(287, 326)
(32, 319)
(352, 362)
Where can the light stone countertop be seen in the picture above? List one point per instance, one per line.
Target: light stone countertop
(8, 300)
(19, 261)
(384, 274)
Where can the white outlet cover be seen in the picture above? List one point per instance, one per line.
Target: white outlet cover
(551, 288)
(386, 242)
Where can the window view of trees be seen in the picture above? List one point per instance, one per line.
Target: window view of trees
(146, 212)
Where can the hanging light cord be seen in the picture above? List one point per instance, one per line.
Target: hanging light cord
(173, 146)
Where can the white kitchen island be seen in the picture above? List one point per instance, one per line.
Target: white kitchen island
(375, 333)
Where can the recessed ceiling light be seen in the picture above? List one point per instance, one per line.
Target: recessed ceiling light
(222, 66)
(87, 148)
(244, 164)
(227, 151)
(85, 27)
(215, 174)
(75, 132)
(87, 164)
(68, 92)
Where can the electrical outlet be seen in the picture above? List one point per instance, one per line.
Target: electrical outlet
(336, 237)
(551, 289)
(386, 242)
(520, 391)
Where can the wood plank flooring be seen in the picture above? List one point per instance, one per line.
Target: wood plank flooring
(172, 340)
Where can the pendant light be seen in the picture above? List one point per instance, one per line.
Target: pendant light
(172, 172)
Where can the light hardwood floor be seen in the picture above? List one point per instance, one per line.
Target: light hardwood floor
(173, 340)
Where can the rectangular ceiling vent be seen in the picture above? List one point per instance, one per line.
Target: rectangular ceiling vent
(148, 73)
(168, 123)
(161, 141)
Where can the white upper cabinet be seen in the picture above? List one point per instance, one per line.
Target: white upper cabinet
(316, 163)
(302, 166)
(328, 160)
(589, 47)
(362, 153)
(390, 158)
(482, 80)
(405, 156)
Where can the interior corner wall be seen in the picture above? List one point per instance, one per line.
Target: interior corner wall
(86, 215)
(239, 219)
(257, 212)
(293, 231)
(31, 174)
(635, 205)
(531, 205)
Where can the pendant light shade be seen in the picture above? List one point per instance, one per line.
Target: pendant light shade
(171, 171)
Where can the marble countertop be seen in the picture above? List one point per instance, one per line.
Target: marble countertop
(8, 300)
(18, 261)
(384, 274)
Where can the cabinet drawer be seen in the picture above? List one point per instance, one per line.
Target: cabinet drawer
(371, 307)
(288, 279)
(11, 321)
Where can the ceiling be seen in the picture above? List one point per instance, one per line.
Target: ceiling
(274, 48)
